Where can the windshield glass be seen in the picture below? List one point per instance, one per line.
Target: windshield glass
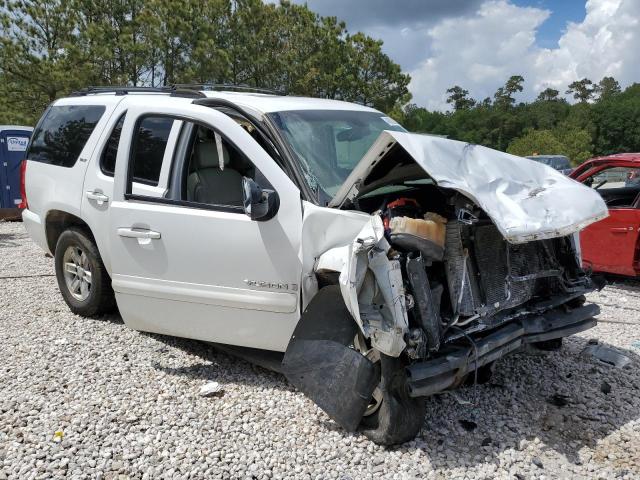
(330, 143)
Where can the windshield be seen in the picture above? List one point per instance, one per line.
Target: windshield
(328, 144)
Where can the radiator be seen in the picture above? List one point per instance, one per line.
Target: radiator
(492, 279)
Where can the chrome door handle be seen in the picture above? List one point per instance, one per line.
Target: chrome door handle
(99, 197)
(138, 233)
(621, 229)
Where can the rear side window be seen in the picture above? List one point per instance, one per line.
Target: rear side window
(63, 133)
(149, 144)
(110, 152)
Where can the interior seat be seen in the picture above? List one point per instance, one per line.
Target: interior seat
(207, 183)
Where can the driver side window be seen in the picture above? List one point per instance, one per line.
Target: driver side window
(615, 177)
(213, 170)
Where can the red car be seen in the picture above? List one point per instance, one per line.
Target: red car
(612, 245)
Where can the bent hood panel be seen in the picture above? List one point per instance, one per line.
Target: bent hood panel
(525, 199)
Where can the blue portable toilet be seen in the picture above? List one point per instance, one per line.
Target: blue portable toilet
(13, 145)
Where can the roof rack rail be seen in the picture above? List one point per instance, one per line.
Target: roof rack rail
(121, 90)
(227, 86)
(124, 90)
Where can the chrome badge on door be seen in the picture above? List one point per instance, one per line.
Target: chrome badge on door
(293, 287)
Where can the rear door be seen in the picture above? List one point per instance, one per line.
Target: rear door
(202, 269)
(98, 182)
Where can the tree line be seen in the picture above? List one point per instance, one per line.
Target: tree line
(604, 119)
(49, 48)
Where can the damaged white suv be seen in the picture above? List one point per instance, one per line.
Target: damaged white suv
(372, 266)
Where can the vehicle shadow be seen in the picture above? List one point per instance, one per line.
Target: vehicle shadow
(214, 364)
(10, 239)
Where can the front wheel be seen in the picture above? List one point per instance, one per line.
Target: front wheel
(393, 416)
(82, 278)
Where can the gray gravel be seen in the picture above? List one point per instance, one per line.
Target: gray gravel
(127, 405)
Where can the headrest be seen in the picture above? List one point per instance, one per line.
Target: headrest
(206, 155)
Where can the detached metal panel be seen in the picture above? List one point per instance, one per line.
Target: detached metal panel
(13, 146)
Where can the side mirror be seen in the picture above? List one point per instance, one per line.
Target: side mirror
(259, 204)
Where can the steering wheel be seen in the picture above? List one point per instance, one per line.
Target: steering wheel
(601, 184)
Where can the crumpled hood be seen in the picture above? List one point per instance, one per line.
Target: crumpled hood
(526, 200)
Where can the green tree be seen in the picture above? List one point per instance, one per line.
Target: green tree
(535, 142)
(575, 144)
(459, 98)
(503, 98)
(608, 87)
(548, 95)
(582, 90)
(617, 122)
(39, 52)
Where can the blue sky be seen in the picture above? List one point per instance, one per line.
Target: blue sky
(479, 44)
(562, 12)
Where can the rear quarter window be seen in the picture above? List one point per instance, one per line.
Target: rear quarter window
(62, 134)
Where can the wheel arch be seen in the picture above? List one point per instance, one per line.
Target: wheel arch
(57, 221)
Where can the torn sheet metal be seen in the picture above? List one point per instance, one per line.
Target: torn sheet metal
(373, 290)
(324, 229)
(525, 199)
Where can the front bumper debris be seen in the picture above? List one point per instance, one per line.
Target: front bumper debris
(449, 367)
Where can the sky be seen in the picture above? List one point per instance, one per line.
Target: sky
(479, 44)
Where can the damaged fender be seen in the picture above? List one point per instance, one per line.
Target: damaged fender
(373, 289)
(320, 362)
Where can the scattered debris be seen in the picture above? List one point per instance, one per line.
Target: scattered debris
(558, 400)
(607, 355)
(537, 462)
(58, 436)
(210, 389)
(468, 425)
(605, 388)
(636, 344)
(459, 399)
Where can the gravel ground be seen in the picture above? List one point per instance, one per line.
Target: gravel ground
(125, 404)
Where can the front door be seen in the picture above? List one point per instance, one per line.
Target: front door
(189, 262)
(610, 244)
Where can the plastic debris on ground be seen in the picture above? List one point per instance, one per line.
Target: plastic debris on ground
(607, 355)
(211, 389)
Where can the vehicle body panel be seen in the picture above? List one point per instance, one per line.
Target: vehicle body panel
(525, 199)
(613, 244)
(50, 187)
(193, 281)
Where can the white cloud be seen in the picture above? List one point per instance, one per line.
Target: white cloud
(480, 51)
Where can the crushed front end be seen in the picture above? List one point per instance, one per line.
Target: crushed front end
(467, 255)
(451, 294)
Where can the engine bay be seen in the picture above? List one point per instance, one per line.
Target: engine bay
(448, 271)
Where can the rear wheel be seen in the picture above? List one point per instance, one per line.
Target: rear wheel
(83, 281)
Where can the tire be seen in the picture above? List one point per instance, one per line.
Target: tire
(399, 417)
(83, 281)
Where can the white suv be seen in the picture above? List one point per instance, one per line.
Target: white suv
(373, 267)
